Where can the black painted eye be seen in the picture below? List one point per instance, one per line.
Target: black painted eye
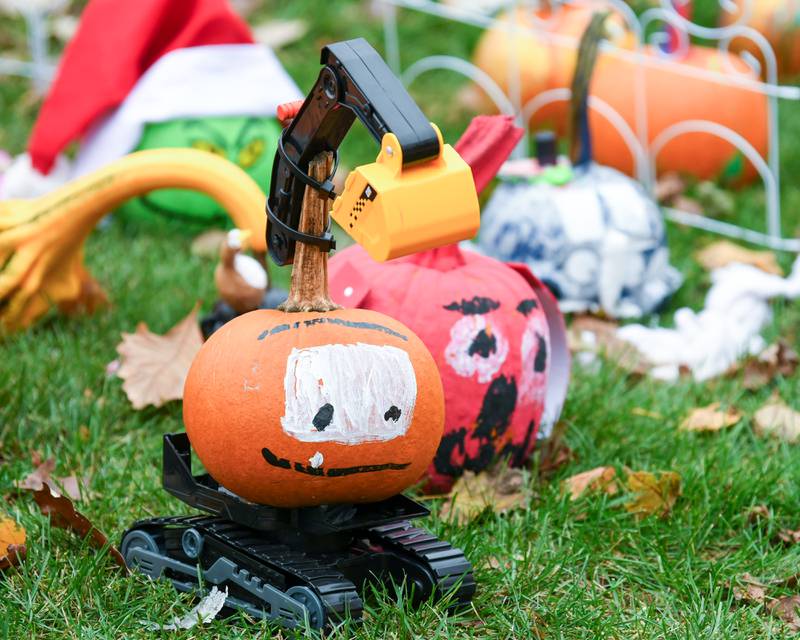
(392, 414)
(483, 344)
(323, 417)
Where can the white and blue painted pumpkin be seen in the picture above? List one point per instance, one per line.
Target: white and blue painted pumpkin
(598, 241)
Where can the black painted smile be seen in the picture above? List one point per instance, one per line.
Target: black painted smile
(334, 472)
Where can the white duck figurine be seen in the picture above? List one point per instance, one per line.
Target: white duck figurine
(241, 280)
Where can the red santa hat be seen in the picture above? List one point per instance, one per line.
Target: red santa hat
(132, 62)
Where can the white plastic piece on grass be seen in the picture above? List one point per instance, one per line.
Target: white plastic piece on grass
(205, 611)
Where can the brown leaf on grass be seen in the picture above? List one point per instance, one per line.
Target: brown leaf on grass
(593, 335)
(687, 204)
(758, 513)
(70, 486)
(749, 590)
(654, 495)
(787, 537)
(36, 479)
(12, 543)
(723, 252)
(710, 418)
(63, 514)
(553, 453)
(777, 420)
(778, 359)
(154, 367)
(598, 479)
(500, 489)
(786, 608)
(669, 186)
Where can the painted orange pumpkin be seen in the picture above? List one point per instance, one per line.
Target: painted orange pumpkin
(314, 404)
(354, 415)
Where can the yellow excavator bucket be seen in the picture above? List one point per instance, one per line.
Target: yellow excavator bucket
(392, 210)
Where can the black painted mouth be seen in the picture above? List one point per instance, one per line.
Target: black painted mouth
(333, 472)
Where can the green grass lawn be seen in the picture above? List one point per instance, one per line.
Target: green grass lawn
(559, 569)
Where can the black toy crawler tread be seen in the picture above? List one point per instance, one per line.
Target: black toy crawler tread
(257, 559)
(451, 570)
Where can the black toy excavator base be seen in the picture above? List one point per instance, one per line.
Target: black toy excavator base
(298, 567)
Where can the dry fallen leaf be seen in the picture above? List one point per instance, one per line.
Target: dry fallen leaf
(787, 537)
(749, 590)
(655, 495)
(778, 420)
(683, 202)
(710, 418)
(723, 252)
(669, 186)
(778, 359)
(758, 513)
(553, 452)
(590, 334)
(64, 515)
(500, 489)
(786, 608)
(70, 486)
(12, 543)
(154, 367)
(599, 479)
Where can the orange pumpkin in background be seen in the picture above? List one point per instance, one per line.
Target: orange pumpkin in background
(779, 22)
(671, 96)
(313, 404)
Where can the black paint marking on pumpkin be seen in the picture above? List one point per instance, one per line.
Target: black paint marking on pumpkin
(311, 471)
(392, 414)
(483, 344)
(498, 406)
(491, 424)
(323, 417)
(274, 460)
(443, 461)
(517, 453)
(334, 472)
(526, 306)
(352, 324)
(367, 468)
(273, 331)
(477, 306)
(540, 363)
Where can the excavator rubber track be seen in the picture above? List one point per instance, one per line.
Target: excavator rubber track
(264, 578)
(450, 571)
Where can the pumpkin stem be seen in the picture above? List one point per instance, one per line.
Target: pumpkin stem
(309, 288)
(441, 258)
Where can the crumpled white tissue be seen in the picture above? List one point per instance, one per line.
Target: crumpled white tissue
(709, 342)
(205, 611)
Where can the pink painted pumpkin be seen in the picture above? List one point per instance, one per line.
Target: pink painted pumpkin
(496, 335)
